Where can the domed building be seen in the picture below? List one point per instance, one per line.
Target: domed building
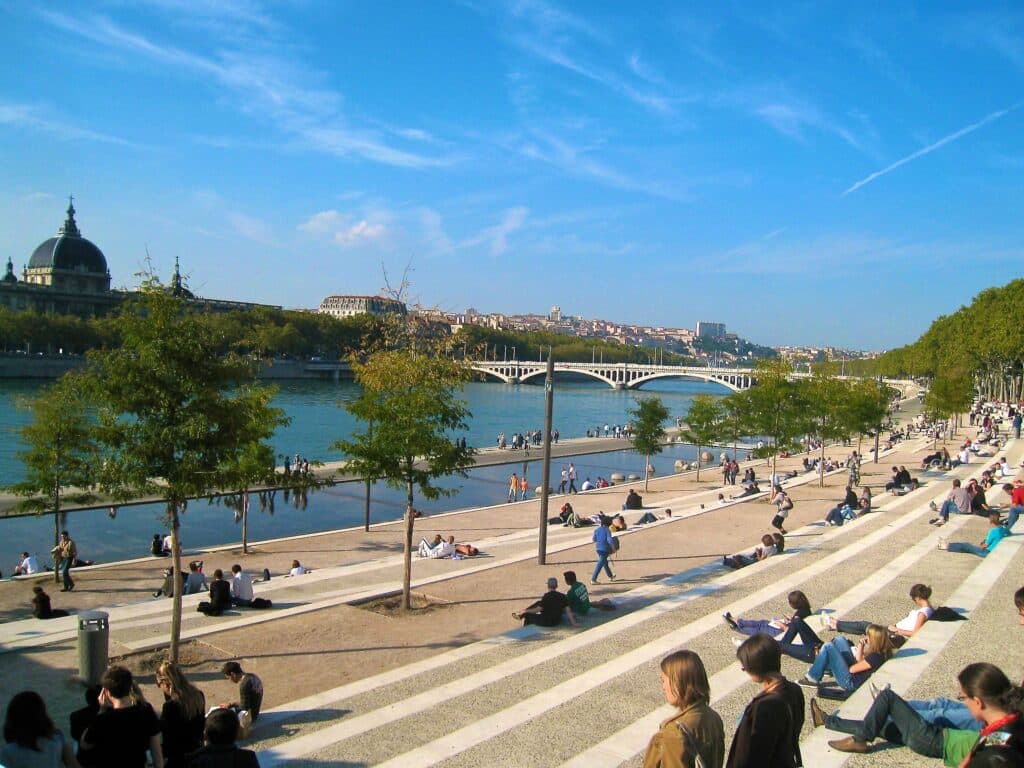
(66, 274)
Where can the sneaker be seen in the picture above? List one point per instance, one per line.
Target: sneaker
(817, 714)
(933, 506)
(934, 520)
(940, 523)
(594, 581)
(730, 620)
(806, 682)
(612, 577)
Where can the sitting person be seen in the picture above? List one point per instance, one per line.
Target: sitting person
(791, 628)
(618, 523)
(426, 547)
(864, 503)
(549, 610)
(297, 569)
(27, 565)
(578, 596)
(41, 605)
(905, 627)
(979, 502)
(843, 511)
(220, 596)
(219, 735)
(958, 500)
(850, 666)
(996, 533)
(932, 459)
(167, 587)
(633, 500)
(993, 699)
(156, 547)
(749, 489)
(766, 550)
(195, 582)
(587, 485)
(241, 587)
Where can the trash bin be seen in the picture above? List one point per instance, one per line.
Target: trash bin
(93, 642)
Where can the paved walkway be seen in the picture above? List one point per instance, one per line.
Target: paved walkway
(461, 684)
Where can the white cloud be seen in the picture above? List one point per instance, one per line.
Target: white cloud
(496, 237)
(360, 233)
(323, 221)
(33, 116)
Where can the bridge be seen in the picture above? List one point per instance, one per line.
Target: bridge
(616, 375)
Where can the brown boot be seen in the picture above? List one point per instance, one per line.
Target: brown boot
(817, 714)
(849, 744)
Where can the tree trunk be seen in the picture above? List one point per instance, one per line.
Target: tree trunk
(410, 521)
(245, 521)
(698, 462)
(647, 470)
(56, 535)
(172, 654)
(366, 510)
(821, 466)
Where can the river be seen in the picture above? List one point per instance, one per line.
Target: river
(318, 418)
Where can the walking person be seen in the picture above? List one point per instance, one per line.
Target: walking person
(784, 505)
(513, 487)
(67, 550)
(768, 733)
(572, 478)
(605, 546)
(563, 481)
(695, 732)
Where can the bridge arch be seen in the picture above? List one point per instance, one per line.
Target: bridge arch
(638, 382)
(493, 373)
(560, 369)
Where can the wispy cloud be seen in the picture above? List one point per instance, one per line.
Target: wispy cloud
(261, 83)
(930, 148)
(34, 117)
(496, 237)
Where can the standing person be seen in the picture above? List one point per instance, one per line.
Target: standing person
(125, 727)
(241, 586)
(67, 551)
(572, 478)
(549, 610)
(563, 481)
(220, 734)
(250, 689)
(31, 741)
(768, 733)
(182, 717)
(513, 487)
(695, 731)
(784, 505)
(524, 488)
(605, 548)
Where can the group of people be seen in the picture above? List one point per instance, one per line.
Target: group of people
(119, 727)
(851, 507)
(298, 466)
(617, 431)
(553, 606)
(523, 440)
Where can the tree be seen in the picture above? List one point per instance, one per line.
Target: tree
(60, 453)
(410, 411)
(703, 423)
(775, 408)
(868, 406)
(950, 394)
(829, 411)
(172, 416)
(648, 421)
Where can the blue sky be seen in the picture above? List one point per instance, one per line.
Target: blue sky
(805, 172)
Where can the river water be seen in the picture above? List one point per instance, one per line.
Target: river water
(318, 418)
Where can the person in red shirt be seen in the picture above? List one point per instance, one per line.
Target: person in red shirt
(1016, 492)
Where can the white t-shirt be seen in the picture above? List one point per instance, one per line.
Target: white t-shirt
(30, 565)
(241, 586)
(909, 624)
(965, 456)
(297, 571)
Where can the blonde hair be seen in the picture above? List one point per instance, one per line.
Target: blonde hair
(879, 641)
(190, 698)
(687, 677)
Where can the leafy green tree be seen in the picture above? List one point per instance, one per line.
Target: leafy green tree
(703, 423)
(648, 426)
(410, 412)
(775, 408)
(950, 394)
(868, 407)
(60, 453)
(828, 411)
(172, 416)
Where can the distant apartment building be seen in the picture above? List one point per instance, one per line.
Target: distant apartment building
(706, 330)
(347, 306)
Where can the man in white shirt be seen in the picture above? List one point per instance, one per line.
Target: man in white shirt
(241, 586)
(28, 565)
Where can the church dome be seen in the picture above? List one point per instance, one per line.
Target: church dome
(68, 250)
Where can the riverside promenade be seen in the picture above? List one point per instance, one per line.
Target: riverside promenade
(462, 684)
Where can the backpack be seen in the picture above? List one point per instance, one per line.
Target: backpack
(787, 503)
(615, 543)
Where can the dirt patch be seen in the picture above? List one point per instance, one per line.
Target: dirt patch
(145, 663)
(392, 606)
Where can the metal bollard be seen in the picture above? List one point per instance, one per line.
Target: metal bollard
(93, 643)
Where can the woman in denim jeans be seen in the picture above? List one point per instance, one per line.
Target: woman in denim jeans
(850, 666)
(793, 627)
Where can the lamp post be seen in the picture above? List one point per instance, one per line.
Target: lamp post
(545, 485)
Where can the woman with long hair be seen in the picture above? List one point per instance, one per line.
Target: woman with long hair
(906, 627)
(791, 628)
(850, 666)
(182, 717)
(989, 695)
(695, 729)
(31, 740)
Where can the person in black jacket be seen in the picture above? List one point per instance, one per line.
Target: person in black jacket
(220, 596)
(80, 720)
(768, 735)
(221, 733)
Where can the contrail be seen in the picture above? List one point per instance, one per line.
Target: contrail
(931, 148)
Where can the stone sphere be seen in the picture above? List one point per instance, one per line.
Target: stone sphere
(680, 465)
(631, 477)
(617, 477)
(706, 457)
(650, 470)
(538, 490)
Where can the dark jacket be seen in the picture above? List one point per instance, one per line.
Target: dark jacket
(768, 735)
(220, 594)
(222, 757)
